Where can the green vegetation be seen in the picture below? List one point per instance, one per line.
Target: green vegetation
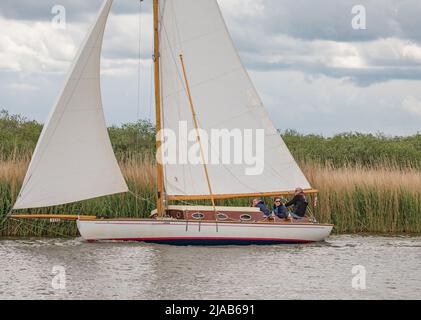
(353, 149)
(367, 183)
(133, 139)
(18, 136)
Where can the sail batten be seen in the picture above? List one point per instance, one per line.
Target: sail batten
(225, 99)
(74, 159)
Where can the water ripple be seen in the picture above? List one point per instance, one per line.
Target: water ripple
(143, 271)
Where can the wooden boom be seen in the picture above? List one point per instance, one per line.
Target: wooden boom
(234, 196)
(52, 216)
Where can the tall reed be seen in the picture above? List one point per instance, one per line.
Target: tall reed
(359, 199)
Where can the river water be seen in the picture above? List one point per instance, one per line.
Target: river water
(389, 268)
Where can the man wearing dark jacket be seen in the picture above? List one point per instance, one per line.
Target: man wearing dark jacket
(300, 204)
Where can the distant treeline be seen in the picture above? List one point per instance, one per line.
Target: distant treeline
(356, 149)
(18, 137)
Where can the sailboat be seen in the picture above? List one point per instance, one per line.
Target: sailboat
(200, 82)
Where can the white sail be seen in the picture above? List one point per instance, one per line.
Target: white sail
(224, 98)
(74, 160)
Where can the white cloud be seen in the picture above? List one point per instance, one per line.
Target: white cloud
(325, 105)
(20, 86)
(27, 46)
(412, 105)
(121, 39)
(124, 67)
(242, 8)
(35, 47)
(411, 51)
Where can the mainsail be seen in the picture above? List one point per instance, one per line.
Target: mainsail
(224, 98)
(74, 160)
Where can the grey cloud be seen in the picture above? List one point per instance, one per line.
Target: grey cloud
(331, 19)
(305, 19)
(361, 77)
(76, 10)
(282, 37)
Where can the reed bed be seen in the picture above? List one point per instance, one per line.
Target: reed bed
(140, 176)
(367, 183)
(382, 199)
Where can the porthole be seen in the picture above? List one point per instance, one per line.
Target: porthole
(198, 216)
(245, 217)
(222, 216)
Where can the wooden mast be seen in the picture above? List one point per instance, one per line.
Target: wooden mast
(160, 170)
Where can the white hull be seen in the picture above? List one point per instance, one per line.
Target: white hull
(202, 233)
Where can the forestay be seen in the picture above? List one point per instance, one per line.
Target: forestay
(224, 98)
(74, 160)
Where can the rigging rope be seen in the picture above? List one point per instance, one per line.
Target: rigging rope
(4, 225)
(22, 222)
(4, 220)
(139, 197)
(139, 78)
(139, 61)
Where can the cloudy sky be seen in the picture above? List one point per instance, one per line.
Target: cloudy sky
(314, 71)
